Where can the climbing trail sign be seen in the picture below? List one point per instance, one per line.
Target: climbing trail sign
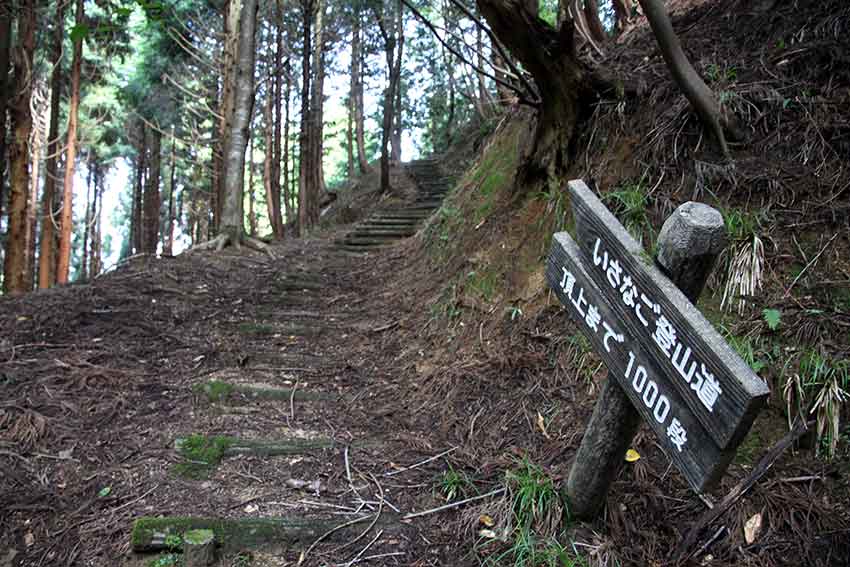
(696, 394)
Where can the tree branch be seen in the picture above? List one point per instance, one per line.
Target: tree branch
(524, 97)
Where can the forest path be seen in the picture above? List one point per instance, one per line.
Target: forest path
(229, 390)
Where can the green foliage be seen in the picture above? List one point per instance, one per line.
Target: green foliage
(715, 73)
(822, 385)
(215, 390)
(772, 317)
(629, 203)
(751, 351)
(535, 518)
(453, 484)
(166, 560)
(535, 499)
(483, 283)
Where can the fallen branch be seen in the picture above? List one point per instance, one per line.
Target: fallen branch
(452, 505)
(420, 463)
(683, 551)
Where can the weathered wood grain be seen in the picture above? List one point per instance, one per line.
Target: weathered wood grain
(701, 460)
(743, 393)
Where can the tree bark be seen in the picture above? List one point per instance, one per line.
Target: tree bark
(138, 192)
(304, 134)
(37, 140)
(285, 162)
(397, 108)
(317, 121)
(168, 247)
(277, 225)
(14, 267)
(152, 199)
(252, 217)
(84, 265)
(349, 137)
(227, 109)
(694, 88)
(272, 204)
(550, 56)
(389, 33)
(96, 239)
(357, 92)
(232, 218)
(594, 24)
(66, 228)
(622, 15)
(5, 86)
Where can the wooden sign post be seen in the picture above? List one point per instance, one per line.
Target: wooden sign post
(666, 363)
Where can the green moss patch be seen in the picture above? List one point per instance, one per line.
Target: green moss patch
(156, 534)
(218, 391)
(203, 454)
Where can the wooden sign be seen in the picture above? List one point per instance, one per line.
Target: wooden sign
(698, 396)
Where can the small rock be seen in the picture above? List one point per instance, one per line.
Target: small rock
(29, 539)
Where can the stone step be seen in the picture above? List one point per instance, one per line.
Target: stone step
(394, 233)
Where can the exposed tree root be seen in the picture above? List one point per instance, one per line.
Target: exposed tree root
(223, 240)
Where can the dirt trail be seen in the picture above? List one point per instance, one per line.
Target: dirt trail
(220, 386)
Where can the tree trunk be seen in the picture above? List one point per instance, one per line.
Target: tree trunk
(357, 92)
(14, 267)
(622, 15)
(696, 91)
(395, 155)
(150, 224)
(285, 162)
(304, 134)
(37, 137)
(97, 243)
(594, 24)
(277, 118)
(66, 225)
(5, 86)
(46, 256)
(390, 42)
(84, 257)
(168, 247)
(232, 217)
(252, 217)
(227, 108)
(550, 57)
(270, 170)
(138, 192)
(349, 137)
(317, 121)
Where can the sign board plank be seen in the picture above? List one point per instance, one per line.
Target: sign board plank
(679, 432)
(720, 389)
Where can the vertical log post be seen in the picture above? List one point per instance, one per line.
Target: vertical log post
(199, 548)
(688, 246)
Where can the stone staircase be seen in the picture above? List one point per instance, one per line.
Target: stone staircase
(389, 225)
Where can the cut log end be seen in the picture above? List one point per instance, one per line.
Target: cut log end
(199, 548)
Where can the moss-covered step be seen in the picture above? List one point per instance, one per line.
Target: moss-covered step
(151, 534)
(203, 454)
(218, 391)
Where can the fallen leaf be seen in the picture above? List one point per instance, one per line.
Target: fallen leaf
(29, 539)
(486, 520)
(251, 508)
(752, 528)
(488, 534)
(541, 423)
(632, 456)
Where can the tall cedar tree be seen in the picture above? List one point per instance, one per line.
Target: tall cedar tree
(5, 85)
(65, 227)
(47, 256)
(150, 211)
(357, 89)
(14, 268)
(393, 35)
